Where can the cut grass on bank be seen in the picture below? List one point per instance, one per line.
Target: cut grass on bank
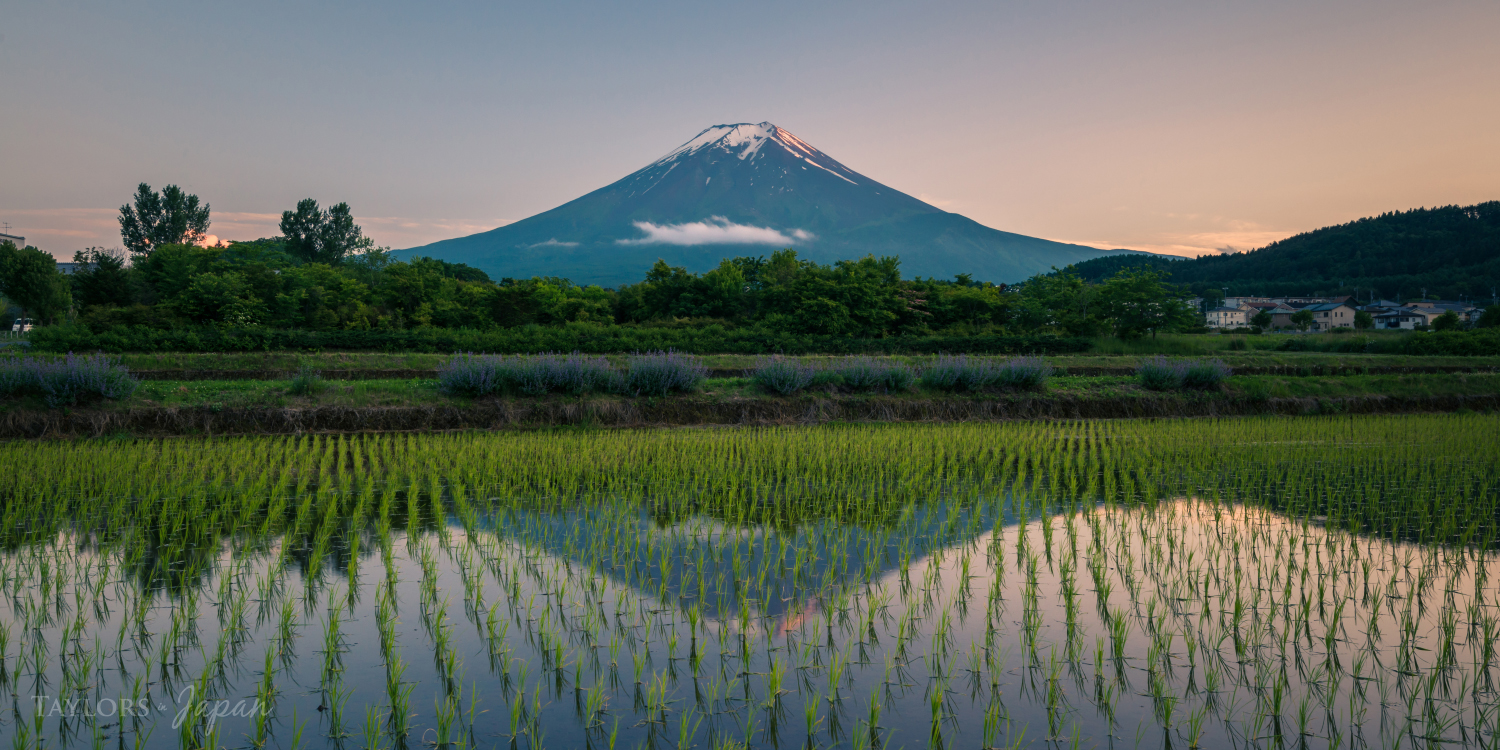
(275, 365)
(169, 394)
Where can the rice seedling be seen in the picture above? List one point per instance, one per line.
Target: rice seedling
(1250, 578)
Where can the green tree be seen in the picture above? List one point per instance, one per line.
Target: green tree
(1363, 320)
(1491, 317)
(168, 271)
(851, 298)
(1448, 321)
(166, 218)
(1136, 300)
(318, 236)
(1262, 320)
(29, 278)
(959, 308)
(1063, 301)
(100, 278)
(318, 296)
(1302, 319)
(224, 297)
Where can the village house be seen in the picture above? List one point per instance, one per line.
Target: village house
(1331, 315)
(1401, 318)
(1228, 317)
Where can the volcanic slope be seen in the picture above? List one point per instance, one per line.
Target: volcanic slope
(748, 189)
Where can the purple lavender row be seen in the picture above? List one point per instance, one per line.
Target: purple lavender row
(649, 374)
(69, 381)
(1162, 374)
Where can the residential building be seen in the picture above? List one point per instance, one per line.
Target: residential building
(1243, 302)
(1400, 318)
(1331, 315)
(1228, 317)
(20, 241)
(1281, 316)
(1465, 311)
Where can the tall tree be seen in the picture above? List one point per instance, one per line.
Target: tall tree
(1063, 301)
(166, 218)
(318, 236)
(29, 277)
(1491, 317)
(1137, 300)
(100, 278)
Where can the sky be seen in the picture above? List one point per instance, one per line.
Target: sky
(1176, 127)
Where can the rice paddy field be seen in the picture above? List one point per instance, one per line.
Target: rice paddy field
(1255, 582)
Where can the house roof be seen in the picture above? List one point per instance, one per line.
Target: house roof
(1326, 306)
(1227, 309)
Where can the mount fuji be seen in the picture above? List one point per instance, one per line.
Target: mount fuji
(748, 189)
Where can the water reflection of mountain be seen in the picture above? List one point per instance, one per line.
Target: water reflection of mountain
(702, 549)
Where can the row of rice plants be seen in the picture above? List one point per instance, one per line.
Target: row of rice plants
(1261, 582)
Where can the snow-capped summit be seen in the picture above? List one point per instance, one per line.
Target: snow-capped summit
(744, 140)
(748, 189)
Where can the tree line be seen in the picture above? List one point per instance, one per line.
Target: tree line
(322, 274)
(1450, 252)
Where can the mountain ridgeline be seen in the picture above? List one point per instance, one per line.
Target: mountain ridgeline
(1452, 252)
(745, 190)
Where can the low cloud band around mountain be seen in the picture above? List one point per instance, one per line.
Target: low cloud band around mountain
(716, 231)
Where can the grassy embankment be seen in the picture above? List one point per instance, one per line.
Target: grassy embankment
(425, 392)
(1108, 353)
(366, 390)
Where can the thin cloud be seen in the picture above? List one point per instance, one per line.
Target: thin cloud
(716, 231)
(554, 242)
(1230, 237)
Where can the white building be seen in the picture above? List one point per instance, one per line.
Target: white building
(1228, 317)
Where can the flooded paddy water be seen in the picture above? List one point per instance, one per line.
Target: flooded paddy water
(1321, 582)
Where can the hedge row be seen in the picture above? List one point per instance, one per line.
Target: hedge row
(1481, 342)
(590, 339)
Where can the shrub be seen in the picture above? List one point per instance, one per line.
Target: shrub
(1205, 374)
(69, 381)
(468, 375)
(783, 376)
(957, 373)
(480, 375)
(575, 374)
(1161, 374)
(307, 382)
(962, 373)
(660, 373)
(1024, 373)
(870, 374)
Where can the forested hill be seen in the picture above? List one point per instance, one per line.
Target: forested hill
(1452, 251)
